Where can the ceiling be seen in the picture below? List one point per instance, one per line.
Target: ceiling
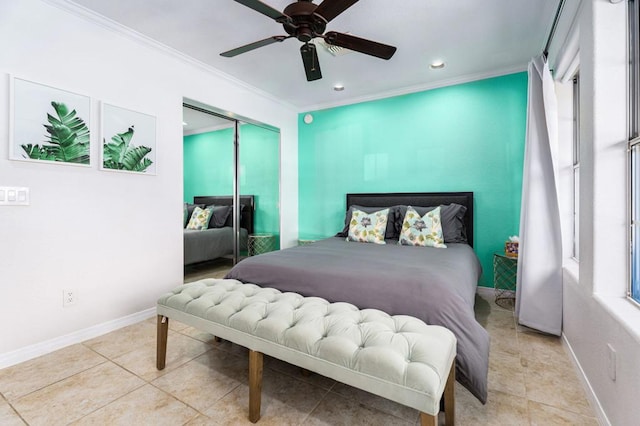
(194, 121)
(475, 38)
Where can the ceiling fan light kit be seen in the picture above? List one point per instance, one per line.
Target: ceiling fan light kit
(332, 49)
(305, 21)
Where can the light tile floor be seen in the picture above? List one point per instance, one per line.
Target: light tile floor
(112, 380)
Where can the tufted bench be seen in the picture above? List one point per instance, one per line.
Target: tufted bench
(397, 357)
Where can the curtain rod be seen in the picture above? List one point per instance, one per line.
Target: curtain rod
(552, 33)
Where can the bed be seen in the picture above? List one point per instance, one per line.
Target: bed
(213, 243)
(434, 284)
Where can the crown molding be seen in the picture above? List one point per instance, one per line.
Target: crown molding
(104, 22)
(417, 88)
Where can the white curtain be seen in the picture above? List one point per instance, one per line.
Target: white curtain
(539, 282)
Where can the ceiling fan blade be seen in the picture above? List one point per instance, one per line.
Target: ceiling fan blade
(265, 9)
(361, 45)
(256, 44)
(329, 9)
(310, 61)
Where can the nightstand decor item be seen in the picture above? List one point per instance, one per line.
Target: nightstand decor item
(511, 246)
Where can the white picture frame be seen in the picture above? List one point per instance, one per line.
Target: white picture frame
(128, 140)
(48, 125)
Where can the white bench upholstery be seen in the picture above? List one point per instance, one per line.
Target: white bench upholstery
(397, 357)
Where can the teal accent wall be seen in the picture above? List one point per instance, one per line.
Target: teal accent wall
(468, 137)
(208, 170)
(208, 164)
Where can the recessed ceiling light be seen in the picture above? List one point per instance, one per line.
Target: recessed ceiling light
(338, 87)
(436, 65)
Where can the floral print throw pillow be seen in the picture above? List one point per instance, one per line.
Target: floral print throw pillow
(368, 228)
(200, 218)
(425, 231)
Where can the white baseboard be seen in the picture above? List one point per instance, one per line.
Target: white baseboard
(591, 395)
(32, 351)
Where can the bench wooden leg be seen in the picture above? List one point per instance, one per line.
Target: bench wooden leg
(428, 420)
(449, 403)
(161, 344)
(449, 397)
(255, 385)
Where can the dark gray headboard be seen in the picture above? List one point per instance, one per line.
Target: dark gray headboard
(422, 199)
(247, 202)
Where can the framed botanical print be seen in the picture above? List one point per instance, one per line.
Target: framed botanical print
(128, 140)
(49, 124)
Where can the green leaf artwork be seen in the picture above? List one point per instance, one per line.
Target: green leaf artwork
(68, 138)
(121, 154)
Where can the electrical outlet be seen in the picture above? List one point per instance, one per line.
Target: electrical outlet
(68, 297)
(611, 355)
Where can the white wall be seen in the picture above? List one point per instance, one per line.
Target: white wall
(114, 238)
(596, 313)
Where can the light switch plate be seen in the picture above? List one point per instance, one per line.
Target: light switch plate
(14, 196)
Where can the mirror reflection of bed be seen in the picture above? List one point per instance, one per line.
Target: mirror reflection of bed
(205, 249)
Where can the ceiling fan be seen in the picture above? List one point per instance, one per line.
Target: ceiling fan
(306, 21)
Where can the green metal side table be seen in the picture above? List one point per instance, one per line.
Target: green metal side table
(261, 243)
(307, 239)
(505, 270)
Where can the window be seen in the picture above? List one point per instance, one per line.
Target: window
(576, 167)
(634, 146)
(634, 291)
(634, 69)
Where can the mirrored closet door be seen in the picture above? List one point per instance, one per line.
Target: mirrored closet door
(231, 180)
(259, 175)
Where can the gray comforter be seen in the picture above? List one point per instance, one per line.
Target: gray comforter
(436, 285)
(209, 244)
